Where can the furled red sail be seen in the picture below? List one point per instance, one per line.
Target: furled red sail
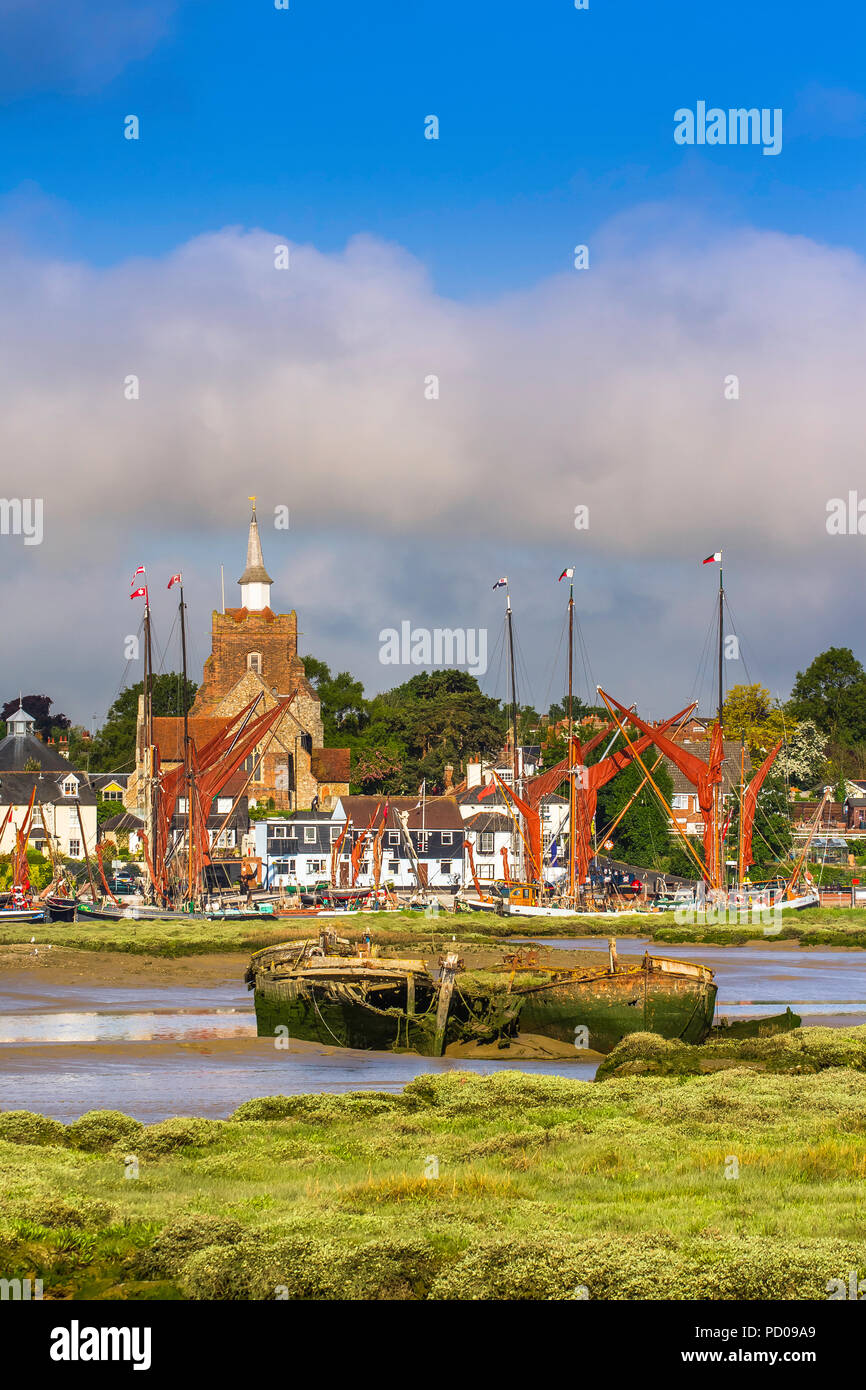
(750, 801)
(704, 776)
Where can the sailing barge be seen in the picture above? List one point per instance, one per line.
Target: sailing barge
(323, 991)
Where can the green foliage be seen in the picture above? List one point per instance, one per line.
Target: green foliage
(407, 735)
(832, 692)
(113, 748)
(643, 835)
(99, 1130)
(175, 1134)
(25, 1127)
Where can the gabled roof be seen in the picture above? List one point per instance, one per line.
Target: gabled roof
(18, 749)
(124, 821)
(16, 788)
(488, 821)
(440, 812)
(730, 767)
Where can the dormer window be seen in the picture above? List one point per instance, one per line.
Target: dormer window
(254, 662)
(70, 786)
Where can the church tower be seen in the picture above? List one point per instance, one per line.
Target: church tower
(254, 652)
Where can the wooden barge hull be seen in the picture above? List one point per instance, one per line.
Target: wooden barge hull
(379, 1016)
(672, 998)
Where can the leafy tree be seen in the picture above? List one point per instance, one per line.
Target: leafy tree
(832, 692)
(344, 709)
(39, 706)
(643, 835)
(804, 756)
(748, 713)
(113, 748)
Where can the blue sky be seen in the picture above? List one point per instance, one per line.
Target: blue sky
(310, 121)
(452, 256)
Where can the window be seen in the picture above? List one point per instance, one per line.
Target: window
(485, 871)
(487, 842)
(278, 832)
(680, 802)
(75, 848)
(254, 662)
(224, 804)
(447, 836)
(253, 764)
(445, 866)
(181, 804)
(70, 786)
(292, 863)
(309, 834)
(112, 795)
(393, 837)
(393, 866)
(423, 841)
(315, 866)
(335, 833)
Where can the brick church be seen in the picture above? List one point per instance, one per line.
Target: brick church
(254, 651)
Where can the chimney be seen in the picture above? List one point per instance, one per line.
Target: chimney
(473, 775)
(449, 778)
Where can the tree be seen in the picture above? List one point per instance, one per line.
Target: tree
(344, 709)
(39, 706)
(832, 692)
(748, 713)
(113, 748)
(804, 756)
(643, 835)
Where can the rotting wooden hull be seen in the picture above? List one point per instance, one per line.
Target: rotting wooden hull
(383, 1013)
(672, 998)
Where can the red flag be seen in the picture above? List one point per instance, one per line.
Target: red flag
(138, 593)
(715, 559)
(139, 571)
(175, 579)
(566, 574)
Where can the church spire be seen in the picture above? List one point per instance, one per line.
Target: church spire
(255, 581)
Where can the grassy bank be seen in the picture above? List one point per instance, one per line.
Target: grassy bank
(545, 1188)
(814, 927)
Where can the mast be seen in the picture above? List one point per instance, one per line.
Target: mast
(719, 798)
(571, 797)
(740, 870)
(188, 774)
(514, 754)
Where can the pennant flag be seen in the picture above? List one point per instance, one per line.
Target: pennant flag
(566, 574)
(501, 583)
(138, 593)
(139, 571)
(713, 559)
(175, 579)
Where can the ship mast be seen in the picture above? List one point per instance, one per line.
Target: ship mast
(719, 796)
(188, 773)
(515, 841)
(571, 798)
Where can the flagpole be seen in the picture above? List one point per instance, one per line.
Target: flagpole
(571, 798)
(188, 775)
(509, 624)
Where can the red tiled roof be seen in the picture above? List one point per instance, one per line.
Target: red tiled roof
(168, 734)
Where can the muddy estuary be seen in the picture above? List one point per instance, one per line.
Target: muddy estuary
(156, 1039)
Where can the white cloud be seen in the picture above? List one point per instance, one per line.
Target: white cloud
(602, 387)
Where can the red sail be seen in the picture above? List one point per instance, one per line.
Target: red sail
(750, 801)
(704, 776)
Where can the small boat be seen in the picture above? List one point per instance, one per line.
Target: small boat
(61, 909)
(324, 991)
(24, 914)
(135, 912)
